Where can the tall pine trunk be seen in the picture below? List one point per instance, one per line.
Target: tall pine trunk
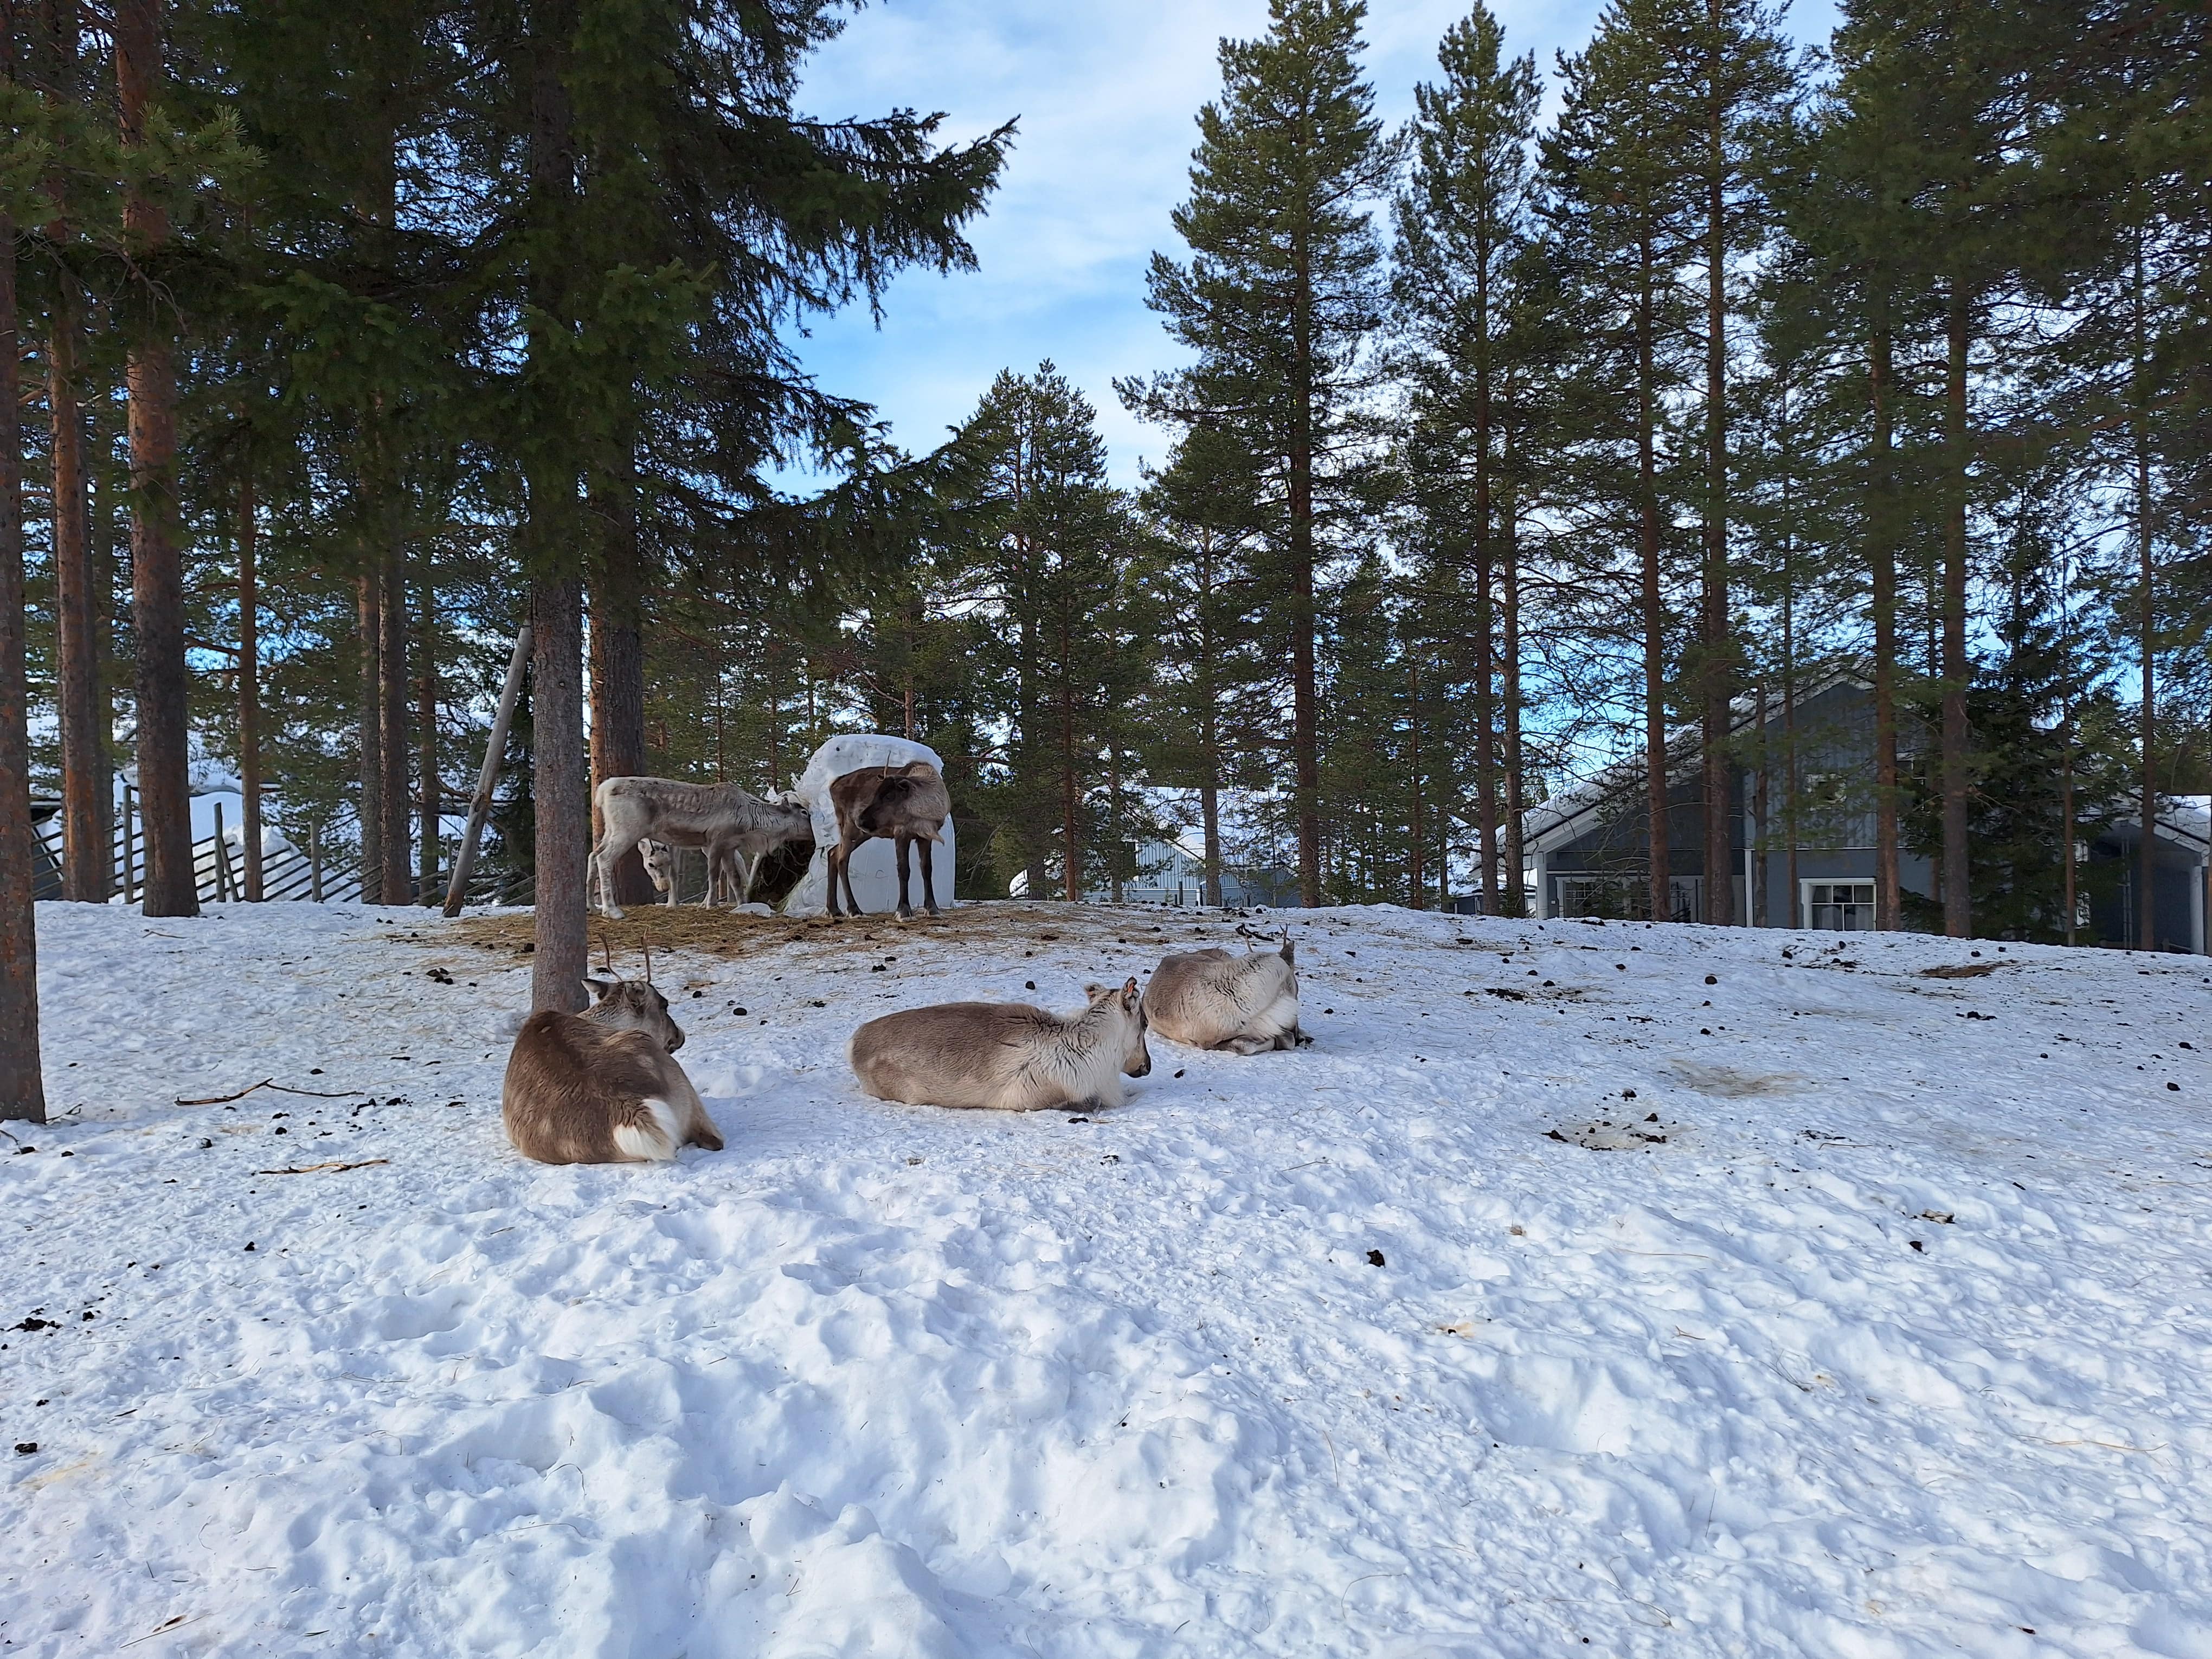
(1715, 646)
(369, 726)
(398, 883)
(562, 794)
(617, 669)
(88, 834)
(1653, 612)
(1881, 549)
(1416, 880)
(560, 777)
(1305, 699)
(1515, 899)
(157, 576)
(1958, 893)
(428, 808)
(22, 1086)
(2146, 616)
(249, 690)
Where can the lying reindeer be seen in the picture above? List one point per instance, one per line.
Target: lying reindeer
(1006, 1056)
(903, 805)
(603, 1086)
(730, 823)
(1218, 1000)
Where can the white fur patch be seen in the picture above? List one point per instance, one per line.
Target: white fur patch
(640, 1139)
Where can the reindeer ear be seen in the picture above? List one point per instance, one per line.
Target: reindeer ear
(598, 986)
(1096, 993)
(1129, 994)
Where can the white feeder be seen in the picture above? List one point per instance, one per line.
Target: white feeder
(875, 863)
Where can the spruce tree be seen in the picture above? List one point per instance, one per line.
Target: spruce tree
(1279, 302)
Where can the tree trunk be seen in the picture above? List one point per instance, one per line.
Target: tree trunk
(1486, 709)
(398, 884)
(22, 1087)
(430, 809)
(1881, 506)
(368, 714)
(1305, 702)
(1416, 881)
(1070, 849)
(87, 834)
(1515, 895)
(1957, 892)
(249, 690)
(559, 783)
(1716, 647)
(157, 577)
(1654, 613)
(2146, 625)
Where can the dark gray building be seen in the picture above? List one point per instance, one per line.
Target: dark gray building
(1587, 847)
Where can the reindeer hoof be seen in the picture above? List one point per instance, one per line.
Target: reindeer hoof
(906, 912)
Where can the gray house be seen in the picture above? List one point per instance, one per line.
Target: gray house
(1587, 854)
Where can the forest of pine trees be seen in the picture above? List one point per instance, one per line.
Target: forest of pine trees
(1499, 446)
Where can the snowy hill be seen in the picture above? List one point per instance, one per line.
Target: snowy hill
(1884, 1331)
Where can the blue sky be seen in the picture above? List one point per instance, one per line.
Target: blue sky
(1106, 92)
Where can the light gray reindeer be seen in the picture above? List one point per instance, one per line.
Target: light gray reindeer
(1005, 1056)
(1216, 999)
(903, 805)
(730, 823)
(604, 1087)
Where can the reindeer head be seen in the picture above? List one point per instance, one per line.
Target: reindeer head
(633, 1005)
(1127, 1004)
(660, 862)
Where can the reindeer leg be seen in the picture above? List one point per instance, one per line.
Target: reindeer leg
(901, 843)
(829, 864)
(845, 869)
(607, 905)
(929, 876)
(751, 869)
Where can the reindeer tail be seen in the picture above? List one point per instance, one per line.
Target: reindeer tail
(647, 1132)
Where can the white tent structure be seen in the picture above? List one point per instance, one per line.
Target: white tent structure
(875, 867)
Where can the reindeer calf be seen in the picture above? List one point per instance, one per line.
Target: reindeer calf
(603, 1086)
(1005, 1056)
(1216, 999)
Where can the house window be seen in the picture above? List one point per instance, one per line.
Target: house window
(1839, 907)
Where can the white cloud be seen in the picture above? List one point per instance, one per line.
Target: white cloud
(1106, 93)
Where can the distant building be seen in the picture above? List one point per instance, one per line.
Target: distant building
(1588, 848)
(1171, 874)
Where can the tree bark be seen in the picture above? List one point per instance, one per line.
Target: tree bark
(2146, 625)
(157, 578)
(618, 667)
(88, 831)
(431, 805)
(1882, 505)
(1716, 647)
(1654, 613)
(249, 690)
(1957, 892)
(1305, 702)
(1516, 897)
(1416, 881)
(559, 783)
(368, 710)
(397, 885)
(22, 1087)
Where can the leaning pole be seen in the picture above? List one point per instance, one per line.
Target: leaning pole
(494, 747)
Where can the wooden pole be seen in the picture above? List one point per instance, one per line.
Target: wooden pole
(464, 855)
(221, 862)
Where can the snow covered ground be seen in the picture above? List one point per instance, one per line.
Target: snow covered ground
(1895, 1344)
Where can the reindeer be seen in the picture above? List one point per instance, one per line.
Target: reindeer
(1005, 1056)
(659, 860)
(901, 804)
(728, 822)
(604, 1087)
(1218, 1000)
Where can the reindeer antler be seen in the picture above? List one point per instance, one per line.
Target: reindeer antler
(648, 960)
(606, 956)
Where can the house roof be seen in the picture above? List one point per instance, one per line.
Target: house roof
(1543, 823)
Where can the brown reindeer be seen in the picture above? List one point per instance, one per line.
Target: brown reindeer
(901, 805)
(1005, 1056)
(603, 1086)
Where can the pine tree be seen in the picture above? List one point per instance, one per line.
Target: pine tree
(1462, 224)
(1279, 303)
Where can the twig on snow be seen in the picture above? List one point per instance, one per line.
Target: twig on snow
(281, 1088)
(312, 1169)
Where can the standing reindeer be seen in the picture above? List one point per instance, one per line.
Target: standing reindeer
(604, 1087)
(733, 824)
(903, 805)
